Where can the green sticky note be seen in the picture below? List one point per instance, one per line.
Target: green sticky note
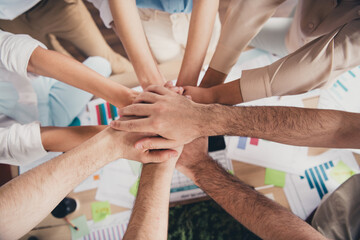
(275, 177)
(135, 167)
(341, 172)
(134, 188)
(82, 226)
(100, 210)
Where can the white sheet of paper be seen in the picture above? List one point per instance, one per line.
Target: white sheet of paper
(117, 179)
(112, 228)
(304, 192)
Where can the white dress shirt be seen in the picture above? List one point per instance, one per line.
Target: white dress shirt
(10, 9)
(18, 144)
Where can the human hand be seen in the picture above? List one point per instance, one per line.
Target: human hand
(123, 145)
(200, 95)
(174, 117)
(169, 85)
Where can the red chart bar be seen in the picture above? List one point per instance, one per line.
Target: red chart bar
(109, 110)
(98, 114)
(254, 141)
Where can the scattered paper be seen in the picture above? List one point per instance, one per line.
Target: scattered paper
(134, 188)
(82, 226)
(100, 210)
(304, 192)
(115, 184)
(275, 177)
(112, 228)
(90, 182)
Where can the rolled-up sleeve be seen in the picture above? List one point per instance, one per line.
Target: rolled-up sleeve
(15, 52)
(243, 20)
(21, 144)
(312, 66)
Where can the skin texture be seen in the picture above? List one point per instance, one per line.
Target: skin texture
(138, 50)
(259, 214)
(149, 218)
(33, 202)
(160, 110)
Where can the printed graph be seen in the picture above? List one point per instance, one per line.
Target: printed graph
(102, 112)
(317, 176)
(243, 141)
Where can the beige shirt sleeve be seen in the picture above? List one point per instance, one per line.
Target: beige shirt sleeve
(313, 65)
(243, 20)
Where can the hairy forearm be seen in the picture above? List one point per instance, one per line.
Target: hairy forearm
(63, 139)
(65, 69)
(29, 198)
(135, 42)
(149, 219)
(261, 215)
(289, 125)
(201, 26)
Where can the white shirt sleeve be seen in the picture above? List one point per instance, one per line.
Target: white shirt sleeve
(21, 144)
(15, 52)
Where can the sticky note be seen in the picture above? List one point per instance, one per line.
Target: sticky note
(100, 210)
(275, 177)
(82, 226)
(341, 172)
(134, 188)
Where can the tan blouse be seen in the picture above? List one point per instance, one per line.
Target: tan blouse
(324, 39)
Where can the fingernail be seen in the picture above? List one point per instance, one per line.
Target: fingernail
(138, 146)
(174, 154)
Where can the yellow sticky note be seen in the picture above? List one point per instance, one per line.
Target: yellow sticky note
(275, 177)
(82, 226)
(341, 172)
(134, 188)
(100, 210)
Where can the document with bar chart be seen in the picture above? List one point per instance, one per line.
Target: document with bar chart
(343, 94)
(182, 188)
(304, 192)
(102, 112)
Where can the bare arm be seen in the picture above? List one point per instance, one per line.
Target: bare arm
(63, 139)
(65, 69)
(264, 217)
(200, 30)
(27, 199)
(133, 37)
(149, 218)
(295, 126)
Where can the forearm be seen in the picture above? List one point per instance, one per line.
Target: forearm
(29, 198)
(135, 43)
(212, 78)
(65, 69)
(59, 139)
(289, 125)
(261, 215)
(201, 26)
(149, 219)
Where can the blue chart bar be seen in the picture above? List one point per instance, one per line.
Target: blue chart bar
(242, 143)
(331, 163)
(323, 172)
(321, 181)
(351, 73)
(180, 189)
(103, 113)
(341, 85)
(309, 179)
(326, 166)
(321, 194)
